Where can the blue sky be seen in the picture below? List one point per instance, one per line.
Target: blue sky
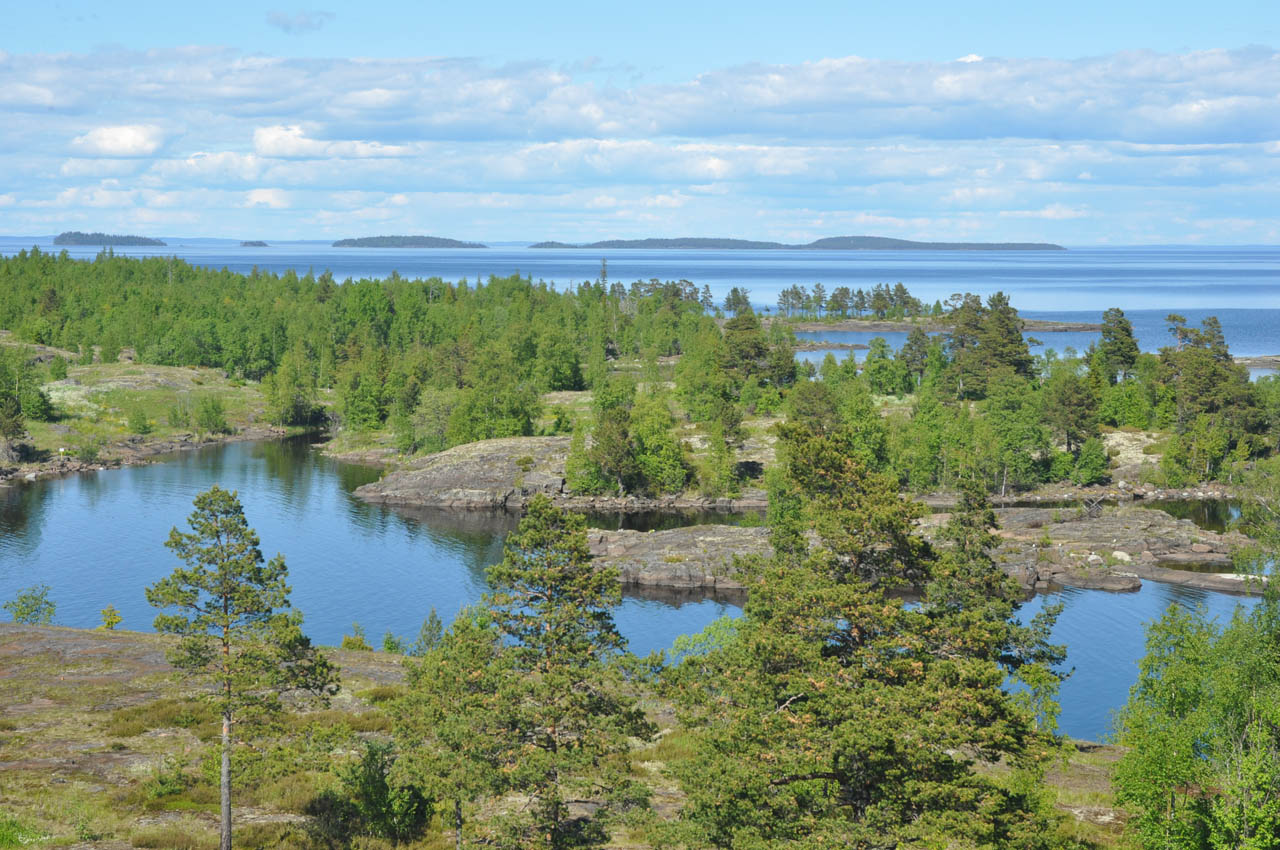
(1092, 123)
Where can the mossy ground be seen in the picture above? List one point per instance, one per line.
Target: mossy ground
(101, 747)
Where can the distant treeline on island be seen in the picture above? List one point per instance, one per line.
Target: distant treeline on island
(254, 243)
(405, 242)
(831, 243)
(75, 237)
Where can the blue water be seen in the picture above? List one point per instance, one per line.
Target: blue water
(1104, 634)
(1157, 278)
(97, 539)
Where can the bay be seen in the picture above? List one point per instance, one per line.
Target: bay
(97, 539)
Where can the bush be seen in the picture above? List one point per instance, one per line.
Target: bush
(110, 618)
(58, 369)
(179, 416)
(211, 416)
(1091, 465)
(138, 423)
(356, 641)
(32, 606)
(87, 452)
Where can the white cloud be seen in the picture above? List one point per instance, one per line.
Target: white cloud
(276, 199)
(120, 140)
(292, 141)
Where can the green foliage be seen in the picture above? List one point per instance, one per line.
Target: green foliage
(88, 451)
(378, 806)
(716, 476)
(356, 641)
(393, 644)
(110, 618)
(1202, 768)
(833, 715)
(429, 636)
(179, 415)
(210, 415)
(32, 606)
(138, 422)
(582, 474)
(1091, 464)
(13, 833)
(58, 369)
(525, 696)
(236, 630)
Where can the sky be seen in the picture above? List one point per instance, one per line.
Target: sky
(1088, 123)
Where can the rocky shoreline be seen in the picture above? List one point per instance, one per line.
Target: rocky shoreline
(1041, 548)
(131, 451)
(505, 473)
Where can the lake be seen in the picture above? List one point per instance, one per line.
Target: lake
(97, 539)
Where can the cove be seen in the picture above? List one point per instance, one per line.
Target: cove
(97, 539)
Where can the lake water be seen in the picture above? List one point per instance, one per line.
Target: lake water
(97, 540)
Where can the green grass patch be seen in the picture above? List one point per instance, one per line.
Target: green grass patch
(183, 836)
(13, 833)
(167, 713)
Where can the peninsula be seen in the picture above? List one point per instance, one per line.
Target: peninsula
(831, 243)
(405, 242)
(75, 237)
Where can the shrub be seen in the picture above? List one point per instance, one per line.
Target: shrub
(110, 618)
(211, 415)
(356, 641)
(138, 422)
(32, 606)
(179, 415)
(58, 368)
(87, 452)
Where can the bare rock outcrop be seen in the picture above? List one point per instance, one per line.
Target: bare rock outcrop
(694, 556)
(490, 475)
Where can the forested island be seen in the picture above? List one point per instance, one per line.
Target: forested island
(832, 243)
(75, 237)
(404, 242)
(253, 243)
(879, 689)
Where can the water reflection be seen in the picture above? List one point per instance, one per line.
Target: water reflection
(1105, 638)
(97, 539)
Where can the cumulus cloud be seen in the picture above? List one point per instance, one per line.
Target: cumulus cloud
(299, 22)
(121, 140)
(1009, 148)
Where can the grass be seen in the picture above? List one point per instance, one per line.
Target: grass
(164, 714)
(105, 403)
(13, 833)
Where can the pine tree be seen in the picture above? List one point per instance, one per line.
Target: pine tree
(238, 633)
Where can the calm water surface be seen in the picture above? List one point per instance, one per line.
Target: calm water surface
(97, 540)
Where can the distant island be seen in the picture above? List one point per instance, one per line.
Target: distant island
(831, 243)
(254, 243)
(75, 237)
(405, 242)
